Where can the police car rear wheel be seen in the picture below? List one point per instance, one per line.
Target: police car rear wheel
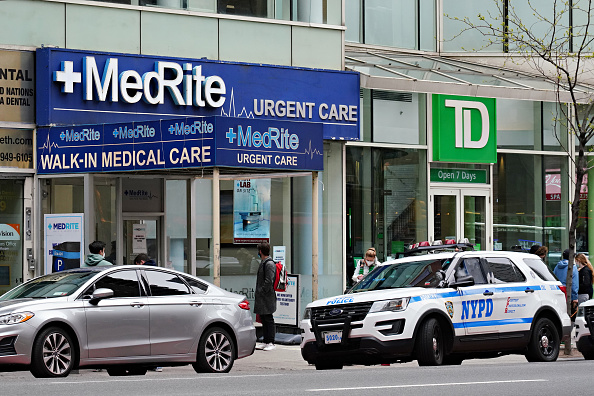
(430, 343)
(544, 344)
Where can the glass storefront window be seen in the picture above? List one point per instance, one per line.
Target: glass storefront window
(176, 224)
(105, 215)
(386, 201)
(541, 21)
(11, 241)
(399, 117)
(554, 128)
(518, 124)
(352, 14)
(529, 196)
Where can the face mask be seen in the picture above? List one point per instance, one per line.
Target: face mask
(369, 262)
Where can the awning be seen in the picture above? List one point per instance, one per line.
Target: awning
(399, 71)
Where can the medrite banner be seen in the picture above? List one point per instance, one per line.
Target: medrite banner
(251, 211)
(63, 241)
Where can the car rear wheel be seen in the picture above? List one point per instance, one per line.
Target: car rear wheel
(126, 371)
(544, 343)
(430, 343)
(53, 354)
(216, 352)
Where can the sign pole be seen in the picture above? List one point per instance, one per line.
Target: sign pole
(314, 236)
(216, 228)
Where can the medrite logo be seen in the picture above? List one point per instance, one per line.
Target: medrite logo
(464, 129)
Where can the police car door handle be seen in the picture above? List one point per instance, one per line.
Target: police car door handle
(487, 293)
(529, 290)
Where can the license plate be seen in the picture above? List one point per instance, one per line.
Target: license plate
(332, 337)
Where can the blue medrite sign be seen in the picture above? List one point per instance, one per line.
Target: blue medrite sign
(180, 143)
(76, 87)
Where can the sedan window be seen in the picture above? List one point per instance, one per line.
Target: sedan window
(52, 285)
(123, 283)
(165, 284)
(197, 286)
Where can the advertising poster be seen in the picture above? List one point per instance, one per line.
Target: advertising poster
(251, 211)
(287, 303)
(63, 236)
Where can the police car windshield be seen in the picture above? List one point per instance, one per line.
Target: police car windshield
(421, 273)
(48, 286)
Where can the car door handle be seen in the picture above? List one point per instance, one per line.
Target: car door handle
(196, 303)
(137, 304)
(529, 290)
(487, 293)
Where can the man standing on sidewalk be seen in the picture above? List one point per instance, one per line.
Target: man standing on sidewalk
(265, 297)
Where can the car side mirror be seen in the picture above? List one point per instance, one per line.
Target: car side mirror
(463, 281)
(100, 294)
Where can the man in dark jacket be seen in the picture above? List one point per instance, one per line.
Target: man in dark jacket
(265, 298)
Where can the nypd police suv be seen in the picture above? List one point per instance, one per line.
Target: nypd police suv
(441, 308)
(584, 329)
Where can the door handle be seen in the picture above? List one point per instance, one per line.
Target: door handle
(136, 304)
(529, 290)
(196, 303)
(487, 293)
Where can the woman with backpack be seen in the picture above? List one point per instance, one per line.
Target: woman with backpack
(585, 277)
(365, 265)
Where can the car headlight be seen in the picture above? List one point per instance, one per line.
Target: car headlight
(307, 313)
(398, 304)
(14, 318)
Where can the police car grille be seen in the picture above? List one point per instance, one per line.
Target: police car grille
(588, 311)
(355, 311)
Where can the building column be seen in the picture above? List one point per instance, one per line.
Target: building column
(314, 235)
(216, 228)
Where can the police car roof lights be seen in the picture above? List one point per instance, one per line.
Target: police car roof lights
(417, 249)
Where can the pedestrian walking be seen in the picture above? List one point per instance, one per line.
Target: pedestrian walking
(366, 265)
(265, 297)
(560, 272)
(585, 277)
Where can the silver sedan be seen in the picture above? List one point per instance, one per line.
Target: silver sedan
(126, 319)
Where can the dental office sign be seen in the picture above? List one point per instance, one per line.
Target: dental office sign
(76, 87)
(181, 143)
(464, 129)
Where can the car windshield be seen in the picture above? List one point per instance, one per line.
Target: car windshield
(48, 286)
(421, 273)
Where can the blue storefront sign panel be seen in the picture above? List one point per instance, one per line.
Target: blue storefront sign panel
(79, 87)
(186, 142)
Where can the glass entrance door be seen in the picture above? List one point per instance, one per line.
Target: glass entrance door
(142, 235)
(461, 213)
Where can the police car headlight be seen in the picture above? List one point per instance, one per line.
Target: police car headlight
(398, 304)
(307, 313)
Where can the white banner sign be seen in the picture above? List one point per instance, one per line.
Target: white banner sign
(139, 238)
(287, 303)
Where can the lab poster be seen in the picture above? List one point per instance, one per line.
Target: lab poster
(251, 211)
(63, 241)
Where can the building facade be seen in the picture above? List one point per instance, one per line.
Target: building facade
(438, 144)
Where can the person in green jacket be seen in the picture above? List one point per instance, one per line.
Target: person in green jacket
(96, 257)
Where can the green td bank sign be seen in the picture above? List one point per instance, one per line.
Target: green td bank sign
(464, 129)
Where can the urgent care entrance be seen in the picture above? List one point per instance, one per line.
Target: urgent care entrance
(194, 175)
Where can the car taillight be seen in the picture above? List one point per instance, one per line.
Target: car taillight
(245, 304)
(563, 289)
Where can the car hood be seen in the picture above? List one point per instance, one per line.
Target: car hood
(374, 295)
(9, 306)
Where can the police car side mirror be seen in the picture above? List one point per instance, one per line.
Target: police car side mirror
(463, 281)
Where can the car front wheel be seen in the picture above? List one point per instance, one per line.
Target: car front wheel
(544, 343)
(53, 354)
(430, 343)
(216, 352)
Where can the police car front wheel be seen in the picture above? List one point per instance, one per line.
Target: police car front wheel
(430, 343)
(544, 342)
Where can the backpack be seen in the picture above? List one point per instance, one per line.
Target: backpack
(280, 277)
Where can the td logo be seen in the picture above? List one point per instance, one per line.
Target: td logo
(464, 129)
